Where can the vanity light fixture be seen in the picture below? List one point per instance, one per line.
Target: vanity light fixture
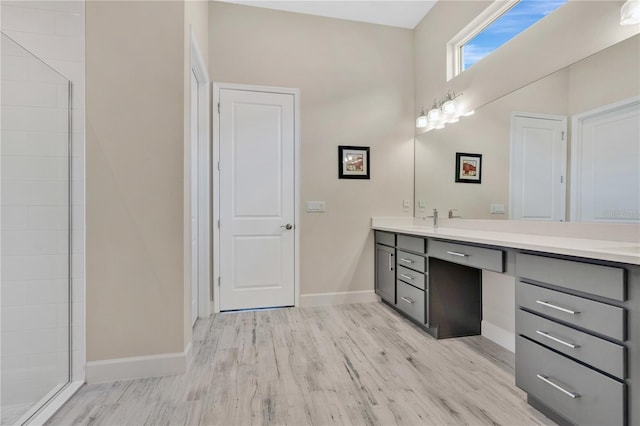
(444, 111)
(630, 12)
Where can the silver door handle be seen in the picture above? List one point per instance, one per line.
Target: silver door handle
(407, 277)
(548, 381)
(455, 253)
(390, 261)
(406, 299)
(555, 339)
(556, 307)
(406, 260)
(288, 226)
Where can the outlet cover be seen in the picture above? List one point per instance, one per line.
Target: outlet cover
(497, 208)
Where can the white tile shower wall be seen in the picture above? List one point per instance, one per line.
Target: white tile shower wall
(53, 31)
(34, 254)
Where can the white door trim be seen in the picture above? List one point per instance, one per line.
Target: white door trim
(216, 179)
(199, 67)
(577, 122)
(563, 190)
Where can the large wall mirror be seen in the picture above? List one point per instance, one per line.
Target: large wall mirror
(565, 147)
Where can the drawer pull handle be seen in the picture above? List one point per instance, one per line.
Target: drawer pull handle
(406, 277)
(559, 308)
(406, 299)
(455, 253)
(406, 260)
(560, 388)
(555, 339)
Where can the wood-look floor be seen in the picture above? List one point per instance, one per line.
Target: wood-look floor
(358, 364)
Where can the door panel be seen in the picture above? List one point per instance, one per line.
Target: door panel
(608, 177)
(537, 168)
(385, 279)
(256, 199)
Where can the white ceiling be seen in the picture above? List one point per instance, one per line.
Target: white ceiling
(400, 13)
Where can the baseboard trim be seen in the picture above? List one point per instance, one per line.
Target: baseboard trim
(340, 298)
(137, 367)
(499, 335)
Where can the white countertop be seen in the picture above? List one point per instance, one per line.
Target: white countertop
(615, 251)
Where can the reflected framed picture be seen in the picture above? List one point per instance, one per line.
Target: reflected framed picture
(353, 162)
(468, 167)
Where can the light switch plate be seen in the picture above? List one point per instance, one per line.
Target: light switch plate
(421, 205)
(316, 206)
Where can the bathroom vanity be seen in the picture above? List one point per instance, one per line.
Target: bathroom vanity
(577, 304)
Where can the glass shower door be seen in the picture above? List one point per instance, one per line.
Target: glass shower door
(35, 230)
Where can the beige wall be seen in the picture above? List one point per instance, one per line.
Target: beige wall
(356, 85)
(134, 157)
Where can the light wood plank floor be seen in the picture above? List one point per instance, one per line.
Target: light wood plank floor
(358, 364)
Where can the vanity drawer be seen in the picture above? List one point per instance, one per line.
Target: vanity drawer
(385, 238)
(477, 257)
(600, 280)
(412, 261)
(599, 353)
(578, 393)
(415, 244)
(411, 301)
(414, 278)
(599, 317)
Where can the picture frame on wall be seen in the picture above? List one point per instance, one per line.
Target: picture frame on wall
(353, 162)
(468, 167)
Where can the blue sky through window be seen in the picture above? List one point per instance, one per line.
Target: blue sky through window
(517, 19)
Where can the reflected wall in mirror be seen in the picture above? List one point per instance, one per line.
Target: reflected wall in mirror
(538, 110)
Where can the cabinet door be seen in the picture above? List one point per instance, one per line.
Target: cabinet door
(385, 273)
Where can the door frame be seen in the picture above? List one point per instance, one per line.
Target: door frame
(199, 68)
(217, 86)
(563, 190)
(577, 121)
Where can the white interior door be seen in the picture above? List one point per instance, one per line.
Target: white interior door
(257, 232)
(606, 164)
(194, 195)
(537, 169)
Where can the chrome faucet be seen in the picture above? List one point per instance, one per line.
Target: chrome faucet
(435, 218)
(452, 216)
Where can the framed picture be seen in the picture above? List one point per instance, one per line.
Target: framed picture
(353, 162)
(468, 167)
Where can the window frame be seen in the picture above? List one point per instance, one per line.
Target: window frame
(487, 17)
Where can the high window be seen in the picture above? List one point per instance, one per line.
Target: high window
(496, 26)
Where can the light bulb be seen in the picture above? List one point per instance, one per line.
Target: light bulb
(435, 114)
(421, 121)
(450, 107)
(630, 13)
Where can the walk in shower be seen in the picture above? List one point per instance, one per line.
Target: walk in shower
(35, 233)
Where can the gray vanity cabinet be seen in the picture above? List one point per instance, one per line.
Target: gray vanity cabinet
(385, 262)
(572, 339)
(412, 279)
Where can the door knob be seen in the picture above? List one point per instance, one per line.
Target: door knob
(288, 226)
